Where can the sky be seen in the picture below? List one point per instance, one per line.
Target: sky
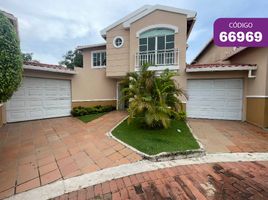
(49, 28)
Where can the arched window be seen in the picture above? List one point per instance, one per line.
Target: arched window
(157, 32)
(156, 39)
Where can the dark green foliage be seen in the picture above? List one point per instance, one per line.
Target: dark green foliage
(153, 99)
(26, 57)
(91, 117)
(10, 59)
(81, 111)
(182, 116)
(72, 59)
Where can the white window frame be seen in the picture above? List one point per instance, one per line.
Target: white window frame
(118, 37)
(92, 61)
(169, 26)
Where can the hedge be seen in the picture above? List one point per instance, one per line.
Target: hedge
(10, 59)
(81, 111)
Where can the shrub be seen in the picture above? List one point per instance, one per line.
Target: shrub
(152, 98)
(10, 59)
(182, 116)
(80, 111)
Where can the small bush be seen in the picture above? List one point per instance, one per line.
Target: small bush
(81, 111)
(182, 116)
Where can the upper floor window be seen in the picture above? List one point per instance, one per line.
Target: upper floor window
(118, 41)
(98, 59)
(157, 39)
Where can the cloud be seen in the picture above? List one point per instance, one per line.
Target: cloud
(52, 27)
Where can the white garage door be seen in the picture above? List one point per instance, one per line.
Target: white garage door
(215, 99)
(39, 98)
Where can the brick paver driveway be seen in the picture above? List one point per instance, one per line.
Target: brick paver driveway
(247, 180)
(39, 152)
(229, 136)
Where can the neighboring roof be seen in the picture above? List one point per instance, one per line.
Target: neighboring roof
(91, 46)
(47, 67)
(219, 67)
(238, 50)
(145, 10)
(232, 53)
(202, 50)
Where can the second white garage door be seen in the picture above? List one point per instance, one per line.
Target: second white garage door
(215, 99)
(39, 98)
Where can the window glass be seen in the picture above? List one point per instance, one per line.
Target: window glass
(157, 32)
(170, 38)
(156, 39)
(118, 41)
(160, 42)
(143, 48)
(99, 59)
(151, 43)
(170, 45)
(143, 41)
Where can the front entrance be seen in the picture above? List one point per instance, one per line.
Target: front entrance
(121, 105)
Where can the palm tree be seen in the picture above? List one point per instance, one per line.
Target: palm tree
(152, 99)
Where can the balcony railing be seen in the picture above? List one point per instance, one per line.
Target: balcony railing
(158, 58)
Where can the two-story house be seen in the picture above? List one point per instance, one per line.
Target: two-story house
(221, 83)
(152, 34)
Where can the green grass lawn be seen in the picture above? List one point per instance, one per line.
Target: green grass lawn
(88, 118)
(156, 141)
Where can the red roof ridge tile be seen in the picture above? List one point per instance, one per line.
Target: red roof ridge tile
(53, 66)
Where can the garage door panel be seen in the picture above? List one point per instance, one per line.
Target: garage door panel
(219, 84)
(34, 92)
(234, 84)
(34, 103)
(16, 115)
(39, 98)
(221, 100)
(36, 113)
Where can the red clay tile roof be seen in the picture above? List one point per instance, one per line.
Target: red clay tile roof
(219, 67)
(49, 67)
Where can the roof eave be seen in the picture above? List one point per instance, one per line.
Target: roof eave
(202, 50)
(189, 13)
(90, 46)
(219, 69)
(46, 69)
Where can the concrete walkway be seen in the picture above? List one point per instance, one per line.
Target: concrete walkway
(37, 153)
(219, 136)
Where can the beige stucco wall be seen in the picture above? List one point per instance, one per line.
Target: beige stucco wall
(259, 56)
(92, 84)
(213, 54)
(162, 17)
(257, 92)
(117, 58)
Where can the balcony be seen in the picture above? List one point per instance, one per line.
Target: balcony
(158, 59)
